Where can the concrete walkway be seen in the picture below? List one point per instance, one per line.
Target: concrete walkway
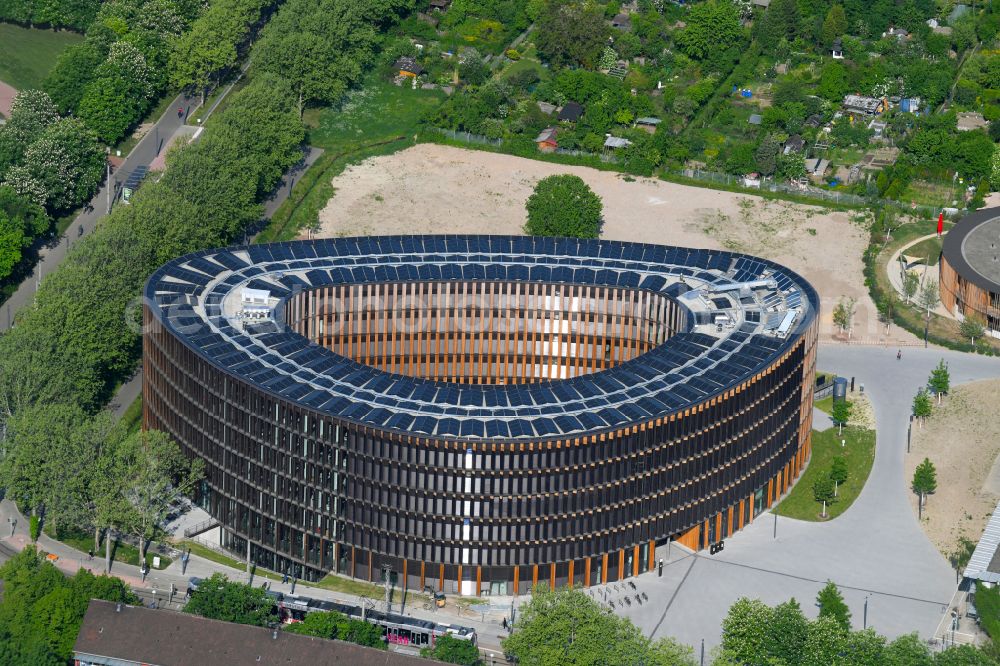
(158, 583)
(875, 550)
(922, 270)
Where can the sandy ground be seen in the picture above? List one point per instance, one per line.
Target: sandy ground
(962, 439)
(7, 94)
(440, 189)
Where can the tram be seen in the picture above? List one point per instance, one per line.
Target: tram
(397, 629)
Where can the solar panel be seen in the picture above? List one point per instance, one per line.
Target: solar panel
(689, 365)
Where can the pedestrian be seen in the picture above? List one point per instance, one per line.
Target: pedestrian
(180, 112)
(899, 354)
(79, 230)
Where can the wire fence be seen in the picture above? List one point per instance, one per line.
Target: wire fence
(729, 180)
(834, 196)
(469, 137)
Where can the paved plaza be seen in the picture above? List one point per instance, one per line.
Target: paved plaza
(875, 550)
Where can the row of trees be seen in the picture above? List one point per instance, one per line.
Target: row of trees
(48, 165)
(111, 78)
(202, 55)
(76, 14)
(82, 472)
(755, 633)
(939, 382)
(221, 599)
(827, 486)
(566, 627)
(64, 356)
(321, 48)
(41, 609)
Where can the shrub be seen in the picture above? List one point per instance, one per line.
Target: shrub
(563, 206)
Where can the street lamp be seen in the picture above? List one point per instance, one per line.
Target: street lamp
(864, 624)
(107, 182)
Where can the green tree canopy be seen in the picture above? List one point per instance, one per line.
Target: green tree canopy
(972, 326)
(831, 604)
(940, 379)
(30, 113)
(711, 26)
(924, 478)
(921, 404)
(766, 155)
(339, 626)
(841, 412)
(151, 473)
(219, 598)
(42, 609)
(563, 206)
(67, 161)
(565, 627)
(21, 221)
(834, 25)
(453, 650)
(574, 34)
(839, 469)
(823, 490)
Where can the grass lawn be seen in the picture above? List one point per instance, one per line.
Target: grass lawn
(930, 193)
(27, 54)
(120, 552)
(860, 454)
(930, 248)
(132, 418)
(330, 582)
(376, 119)
(825, 405)
(376, 110)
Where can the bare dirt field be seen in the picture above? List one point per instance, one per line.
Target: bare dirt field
(434, 189)
(962, 439)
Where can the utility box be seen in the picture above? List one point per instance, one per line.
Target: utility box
(839, 389)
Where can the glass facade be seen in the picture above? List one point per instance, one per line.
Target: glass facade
(480, 414)
(315, 494)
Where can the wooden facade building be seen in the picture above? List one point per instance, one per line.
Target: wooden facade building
(481, 413)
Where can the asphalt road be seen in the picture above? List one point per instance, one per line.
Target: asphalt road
(876, 550)
(52, 255)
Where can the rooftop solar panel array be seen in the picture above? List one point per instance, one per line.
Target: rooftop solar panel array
(686, 369)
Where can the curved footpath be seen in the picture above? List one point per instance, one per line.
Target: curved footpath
(876, 549)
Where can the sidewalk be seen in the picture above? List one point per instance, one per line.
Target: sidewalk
(52, 254)
(69, 561)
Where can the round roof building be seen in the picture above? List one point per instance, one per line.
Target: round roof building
(480, 412)
(970, 269)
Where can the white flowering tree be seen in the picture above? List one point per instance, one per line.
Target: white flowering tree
(20, 179)
(31, 112)
(609, 57)
(66, 162)
(744, 8)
